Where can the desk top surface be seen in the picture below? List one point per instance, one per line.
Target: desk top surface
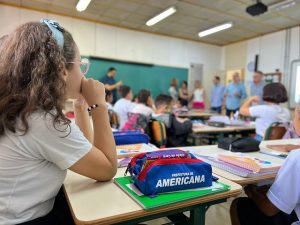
(214, 150)
(197, 113)
(94, 202)
(198, 128)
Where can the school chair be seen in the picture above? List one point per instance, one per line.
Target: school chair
(158, 133)
(275, 131)
(113, 119)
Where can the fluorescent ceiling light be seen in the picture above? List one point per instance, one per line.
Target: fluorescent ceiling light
(82, 5)
(161, 16)
(282, 5)
(215, 29)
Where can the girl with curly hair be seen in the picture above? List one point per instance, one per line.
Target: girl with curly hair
(40, 67)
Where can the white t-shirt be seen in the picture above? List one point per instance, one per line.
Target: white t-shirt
(142, 109)
(109, 106)
(33, 167)
(198, 95)
(268, 114)
(122, 107)
(285, 191)
(173, 92)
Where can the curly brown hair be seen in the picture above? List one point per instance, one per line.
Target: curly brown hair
(31, 76)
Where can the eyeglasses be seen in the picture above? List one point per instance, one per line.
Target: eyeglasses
(84, 65)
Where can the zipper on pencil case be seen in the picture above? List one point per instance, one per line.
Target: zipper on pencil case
(143, 173)
(133, 162)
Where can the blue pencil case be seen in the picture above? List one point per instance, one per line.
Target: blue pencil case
(130, 137)
(169, 170)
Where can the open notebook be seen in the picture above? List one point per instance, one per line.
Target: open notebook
(250, 163)
(228, 167)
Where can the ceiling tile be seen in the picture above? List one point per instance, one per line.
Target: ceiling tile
(192, 16)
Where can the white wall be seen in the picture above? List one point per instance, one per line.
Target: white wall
(270, 49)
(112, 42)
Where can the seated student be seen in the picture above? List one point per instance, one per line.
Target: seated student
(38, 143)
(145, 103)
(179, 107)
(273, 95)
(139, 116)
(278, 205)
(177, 129)
(124, 105)
(109, 100)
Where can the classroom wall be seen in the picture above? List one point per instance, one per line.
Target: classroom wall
(276, 51)
(235, 55)
(117, 43)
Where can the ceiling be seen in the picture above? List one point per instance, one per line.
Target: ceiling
(191, 17)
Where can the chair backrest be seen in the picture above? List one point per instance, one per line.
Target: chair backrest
(158, 133)
(113, 119)
(275, 131)
(136, 121)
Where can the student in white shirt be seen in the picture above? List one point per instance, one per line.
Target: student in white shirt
(277, 205)
(109, 99)
(145, 103)
(198, 96)
(38, 143)
(273, 95)
(124, 105)
(173, 89)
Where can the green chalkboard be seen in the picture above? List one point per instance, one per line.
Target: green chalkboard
(137, 75)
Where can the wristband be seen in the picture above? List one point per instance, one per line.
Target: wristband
(90, 108)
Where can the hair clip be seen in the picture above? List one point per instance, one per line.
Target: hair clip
(56, 30)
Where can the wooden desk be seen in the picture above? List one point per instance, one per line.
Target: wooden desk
(213, 150)
(200, 114)
(204, 129)
(101, 203)
(263, 144)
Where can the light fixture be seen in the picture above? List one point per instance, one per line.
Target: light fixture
(282, 5)
(82, 5)
(215, 29)
(161, 16)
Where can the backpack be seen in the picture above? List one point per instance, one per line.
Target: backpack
(136, 122)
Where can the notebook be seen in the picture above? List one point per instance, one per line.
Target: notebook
(278, 147)
(124, 151)
(146, 202)
(236, 170)
(249, 163)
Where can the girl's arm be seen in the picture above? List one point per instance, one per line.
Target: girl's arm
(244, 110)
(82, 118)
(100, 163)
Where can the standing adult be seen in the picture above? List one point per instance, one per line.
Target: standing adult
(184, 95)
(110, 83)
(257, 86)
(234, 93)
(173, 89)
(217, 95)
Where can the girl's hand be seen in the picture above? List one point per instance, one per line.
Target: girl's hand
(255, 99)
(80, 103)
(93, 91)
